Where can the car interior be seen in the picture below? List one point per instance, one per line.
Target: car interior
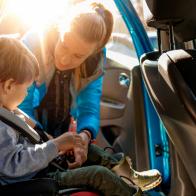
(169, 76)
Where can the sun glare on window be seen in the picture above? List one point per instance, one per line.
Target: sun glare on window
(37, 13)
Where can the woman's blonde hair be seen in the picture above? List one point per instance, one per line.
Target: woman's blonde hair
(16, 61)
(94, 24)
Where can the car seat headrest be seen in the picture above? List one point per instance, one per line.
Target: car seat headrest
(179, 13)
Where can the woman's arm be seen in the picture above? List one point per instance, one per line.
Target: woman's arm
(88, 107)
(27, 105)
(33, 99)
(35, 93)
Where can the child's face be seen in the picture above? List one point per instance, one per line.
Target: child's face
(15, 94)
(71, 51)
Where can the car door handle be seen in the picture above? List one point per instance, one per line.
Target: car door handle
(124, 80)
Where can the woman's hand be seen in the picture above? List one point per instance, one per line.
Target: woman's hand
(74, 143)
(81, 151)
(86, 137)
(80, 154)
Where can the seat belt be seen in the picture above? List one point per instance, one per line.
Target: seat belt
(35, 136)
(20, 126)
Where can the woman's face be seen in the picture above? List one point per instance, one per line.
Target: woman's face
(71, 51)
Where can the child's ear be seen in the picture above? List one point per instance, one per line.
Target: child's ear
(8, 85)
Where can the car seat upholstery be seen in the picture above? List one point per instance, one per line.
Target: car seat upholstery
(170, 79)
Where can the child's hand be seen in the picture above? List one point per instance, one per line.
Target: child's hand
(66, 142)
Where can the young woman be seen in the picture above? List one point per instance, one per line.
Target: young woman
(71, 58)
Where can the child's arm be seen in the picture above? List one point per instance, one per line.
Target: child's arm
(20, 158)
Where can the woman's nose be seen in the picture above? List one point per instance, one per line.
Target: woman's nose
(66, 60)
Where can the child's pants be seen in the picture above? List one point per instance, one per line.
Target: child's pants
(95, 174)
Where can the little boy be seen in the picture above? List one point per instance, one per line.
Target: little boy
(21, 159)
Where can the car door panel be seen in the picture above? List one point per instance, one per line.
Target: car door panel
(114, 96)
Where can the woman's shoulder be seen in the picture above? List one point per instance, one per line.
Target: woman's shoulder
(31, 39)
(35, 39)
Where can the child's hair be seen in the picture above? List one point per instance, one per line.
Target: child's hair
(16, 61)
(94, 23)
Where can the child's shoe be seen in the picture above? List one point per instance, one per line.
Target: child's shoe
(146, 180)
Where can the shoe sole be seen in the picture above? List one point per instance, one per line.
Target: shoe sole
(152, 185)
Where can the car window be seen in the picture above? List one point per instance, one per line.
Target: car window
(152, 35)
(120, 45)
(151, 32)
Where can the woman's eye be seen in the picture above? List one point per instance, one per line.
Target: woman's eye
(63, 46)
(78, 56)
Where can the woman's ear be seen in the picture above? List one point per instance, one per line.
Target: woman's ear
(8, 86)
